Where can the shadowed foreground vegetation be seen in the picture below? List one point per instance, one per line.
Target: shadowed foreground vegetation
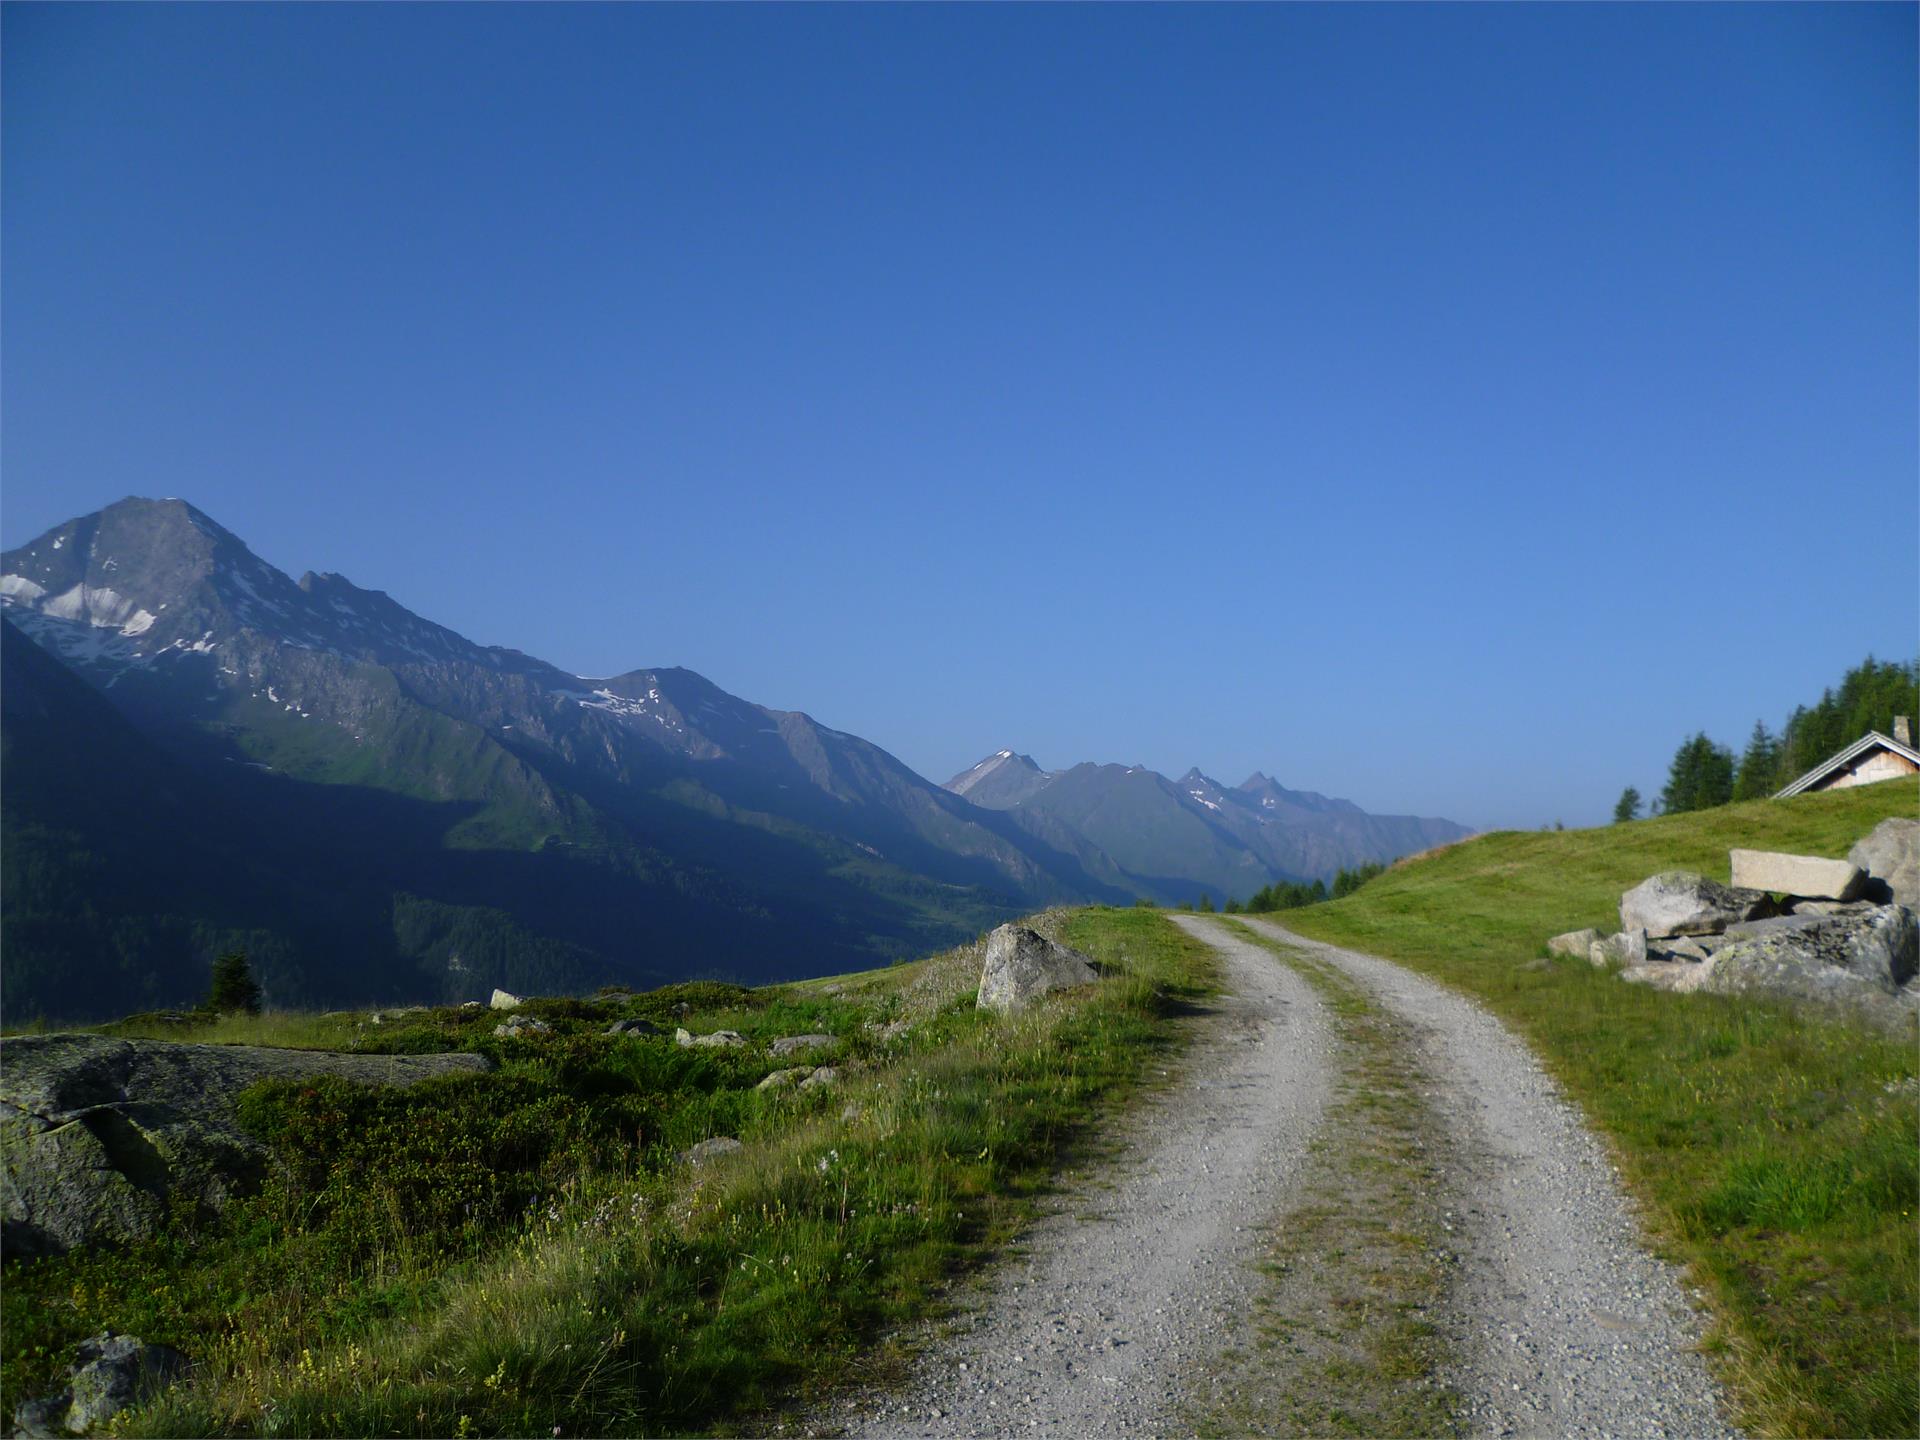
(523, 1252)
(1775, 1150)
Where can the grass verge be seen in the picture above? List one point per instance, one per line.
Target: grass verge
(523, 1251)
(1775, 1150)
(1341, 1339)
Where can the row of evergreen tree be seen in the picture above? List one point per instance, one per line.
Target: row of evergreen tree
(1289, 895)
(1705, 773)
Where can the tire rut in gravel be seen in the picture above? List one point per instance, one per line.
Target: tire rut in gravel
(1104, 1321)
(1559, 1320)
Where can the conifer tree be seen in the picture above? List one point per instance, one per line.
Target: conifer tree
(233, 987)
(1627, 807)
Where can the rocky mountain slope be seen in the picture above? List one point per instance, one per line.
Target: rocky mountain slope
(1178, 839)
(648, 824)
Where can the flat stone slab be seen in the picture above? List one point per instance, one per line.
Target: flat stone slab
(1805, 875)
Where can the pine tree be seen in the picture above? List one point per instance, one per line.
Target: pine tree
(1627, 807)
(233, 986)
(1700, 777)
(1759, 773)
(1206, 904)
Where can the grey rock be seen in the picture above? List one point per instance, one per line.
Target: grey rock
(1833, 907)
(1682, 979)
(1022, 965)
(822, 1076)
(115, 1372)
(783, 1079)
(1679, 949)
(1847, 959)
(96, 1134)
(111, 1373)
(1805, 875)
(794, 1044)
(1577, 943)
(1627, 948)
(634, 1027)
(708, 1151)
(1678, 902)
(505, 1000)
(45, 1418)
(1890, 856)
(719, 1038)
(522, 1025)
(1773, 924)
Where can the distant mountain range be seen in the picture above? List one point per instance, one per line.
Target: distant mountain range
(1178, 839)
(202, 752)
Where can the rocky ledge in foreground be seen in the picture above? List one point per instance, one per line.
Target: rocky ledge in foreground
(97, 1134)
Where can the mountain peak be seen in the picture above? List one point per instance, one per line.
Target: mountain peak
(1004, 778)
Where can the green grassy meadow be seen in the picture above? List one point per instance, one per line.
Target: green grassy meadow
(1775, 1150)
(523, 1251)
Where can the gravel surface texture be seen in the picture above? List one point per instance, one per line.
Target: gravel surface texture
(1124, 1288)
(1561, 1322)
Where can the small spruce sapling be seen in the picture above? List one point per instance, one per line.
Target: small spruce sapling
(233, 987)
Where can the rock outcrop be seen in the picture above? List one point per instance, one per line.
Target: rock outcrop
(1022, 965)
(97, 1134)
(1890, 856)
(1679, 902)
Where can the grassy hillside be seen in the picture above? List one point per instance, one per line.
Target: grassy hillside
(526, 1251)
(1775, 1151)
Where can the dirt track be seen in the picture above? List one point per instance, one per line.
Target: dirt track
(1558, 1319)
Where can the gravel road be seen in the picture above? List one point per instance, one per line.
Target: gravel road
(1121, 1291)
(1563, 1323)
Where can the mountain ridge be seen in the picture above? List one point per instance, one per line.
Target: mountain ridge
(1195, 836)
(729, 837)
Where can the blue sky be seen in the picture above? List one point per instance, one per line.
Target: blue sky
(1448, 408)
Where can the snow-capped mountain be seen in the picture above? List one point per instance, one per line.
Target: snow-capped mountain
(741, 809)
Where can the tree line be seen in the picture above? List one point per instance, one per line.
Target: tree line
(1705, 773)
(1292, 895)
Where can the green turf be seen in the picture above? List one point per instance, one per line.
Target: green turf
(1776, 1150)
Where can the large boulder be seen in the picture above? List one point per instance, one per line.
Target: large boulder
(96, 1134)
(1806, 875)
(1678, 902)
(1022, 965)
(1855, 959)
(1890, 856)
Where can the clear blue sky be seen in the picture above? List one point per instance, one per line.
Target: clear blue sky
(1447, 408)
